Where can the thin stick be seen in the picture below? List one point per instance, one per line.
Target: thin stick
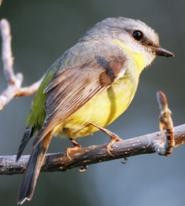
(7, 57)
(14, 81)
(166, 123)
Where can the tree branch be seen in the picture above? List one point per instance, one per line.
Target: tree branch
(14, 81)
(145, 144)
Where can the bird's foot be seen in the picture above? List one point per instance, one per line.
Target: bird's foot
(71, 151)
(114, 138)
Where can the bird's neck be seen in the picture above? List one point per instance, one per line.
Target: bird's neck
(138, 58)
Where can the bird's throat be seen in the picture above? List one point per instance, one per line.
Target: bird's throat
(138, 57)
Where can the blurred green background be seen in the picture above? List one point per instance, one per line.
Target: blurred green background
(42, 31)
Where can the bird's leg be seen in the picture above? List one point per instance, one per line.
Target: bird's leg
(113, 138)
(74, 143)
(72, 150)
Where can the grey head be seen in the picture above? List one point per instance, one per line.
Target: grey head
(138, 36)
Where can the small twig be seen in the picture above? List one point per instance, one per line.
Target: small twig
(30, 90)
(166, 123)
(14, 81)
(7, 57)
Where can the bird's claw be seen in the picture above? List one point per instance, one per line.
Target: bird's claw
(71, 151)
(114, 139)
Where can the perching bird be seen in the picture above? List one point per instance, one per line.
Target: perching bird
(87, 88)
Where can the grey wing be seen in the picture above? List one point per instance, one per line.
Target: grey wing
(68, 91)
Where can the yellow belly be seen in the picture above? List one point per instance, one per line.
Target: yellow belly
(102, 109)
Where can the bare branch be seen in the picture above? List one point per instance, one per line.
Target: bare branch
(14, 81)
(7, 57)
(30, 90)
(145, 144)
(1, 2)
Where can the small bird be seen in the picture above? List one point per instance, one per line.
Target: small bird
(87, 88)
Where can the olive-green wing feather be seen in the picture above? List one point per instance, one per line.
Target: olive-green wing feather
(38, 112)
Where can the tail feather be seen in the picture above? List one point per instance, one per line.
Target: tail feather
(27, 136)
(33, 170)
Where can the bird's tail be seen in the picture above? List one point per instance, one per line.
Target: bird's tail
(33, 170)
(27, 136)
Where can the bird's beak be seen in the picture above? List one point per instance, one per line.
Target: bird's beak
(163, 52)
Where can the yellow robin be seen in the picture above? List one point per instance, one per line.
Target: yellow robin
(87, 88)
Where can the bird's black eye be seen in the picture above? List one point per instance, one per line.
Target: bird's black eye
(138, 35)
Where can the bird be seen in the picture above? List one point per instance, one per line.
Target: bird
(87, 88)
